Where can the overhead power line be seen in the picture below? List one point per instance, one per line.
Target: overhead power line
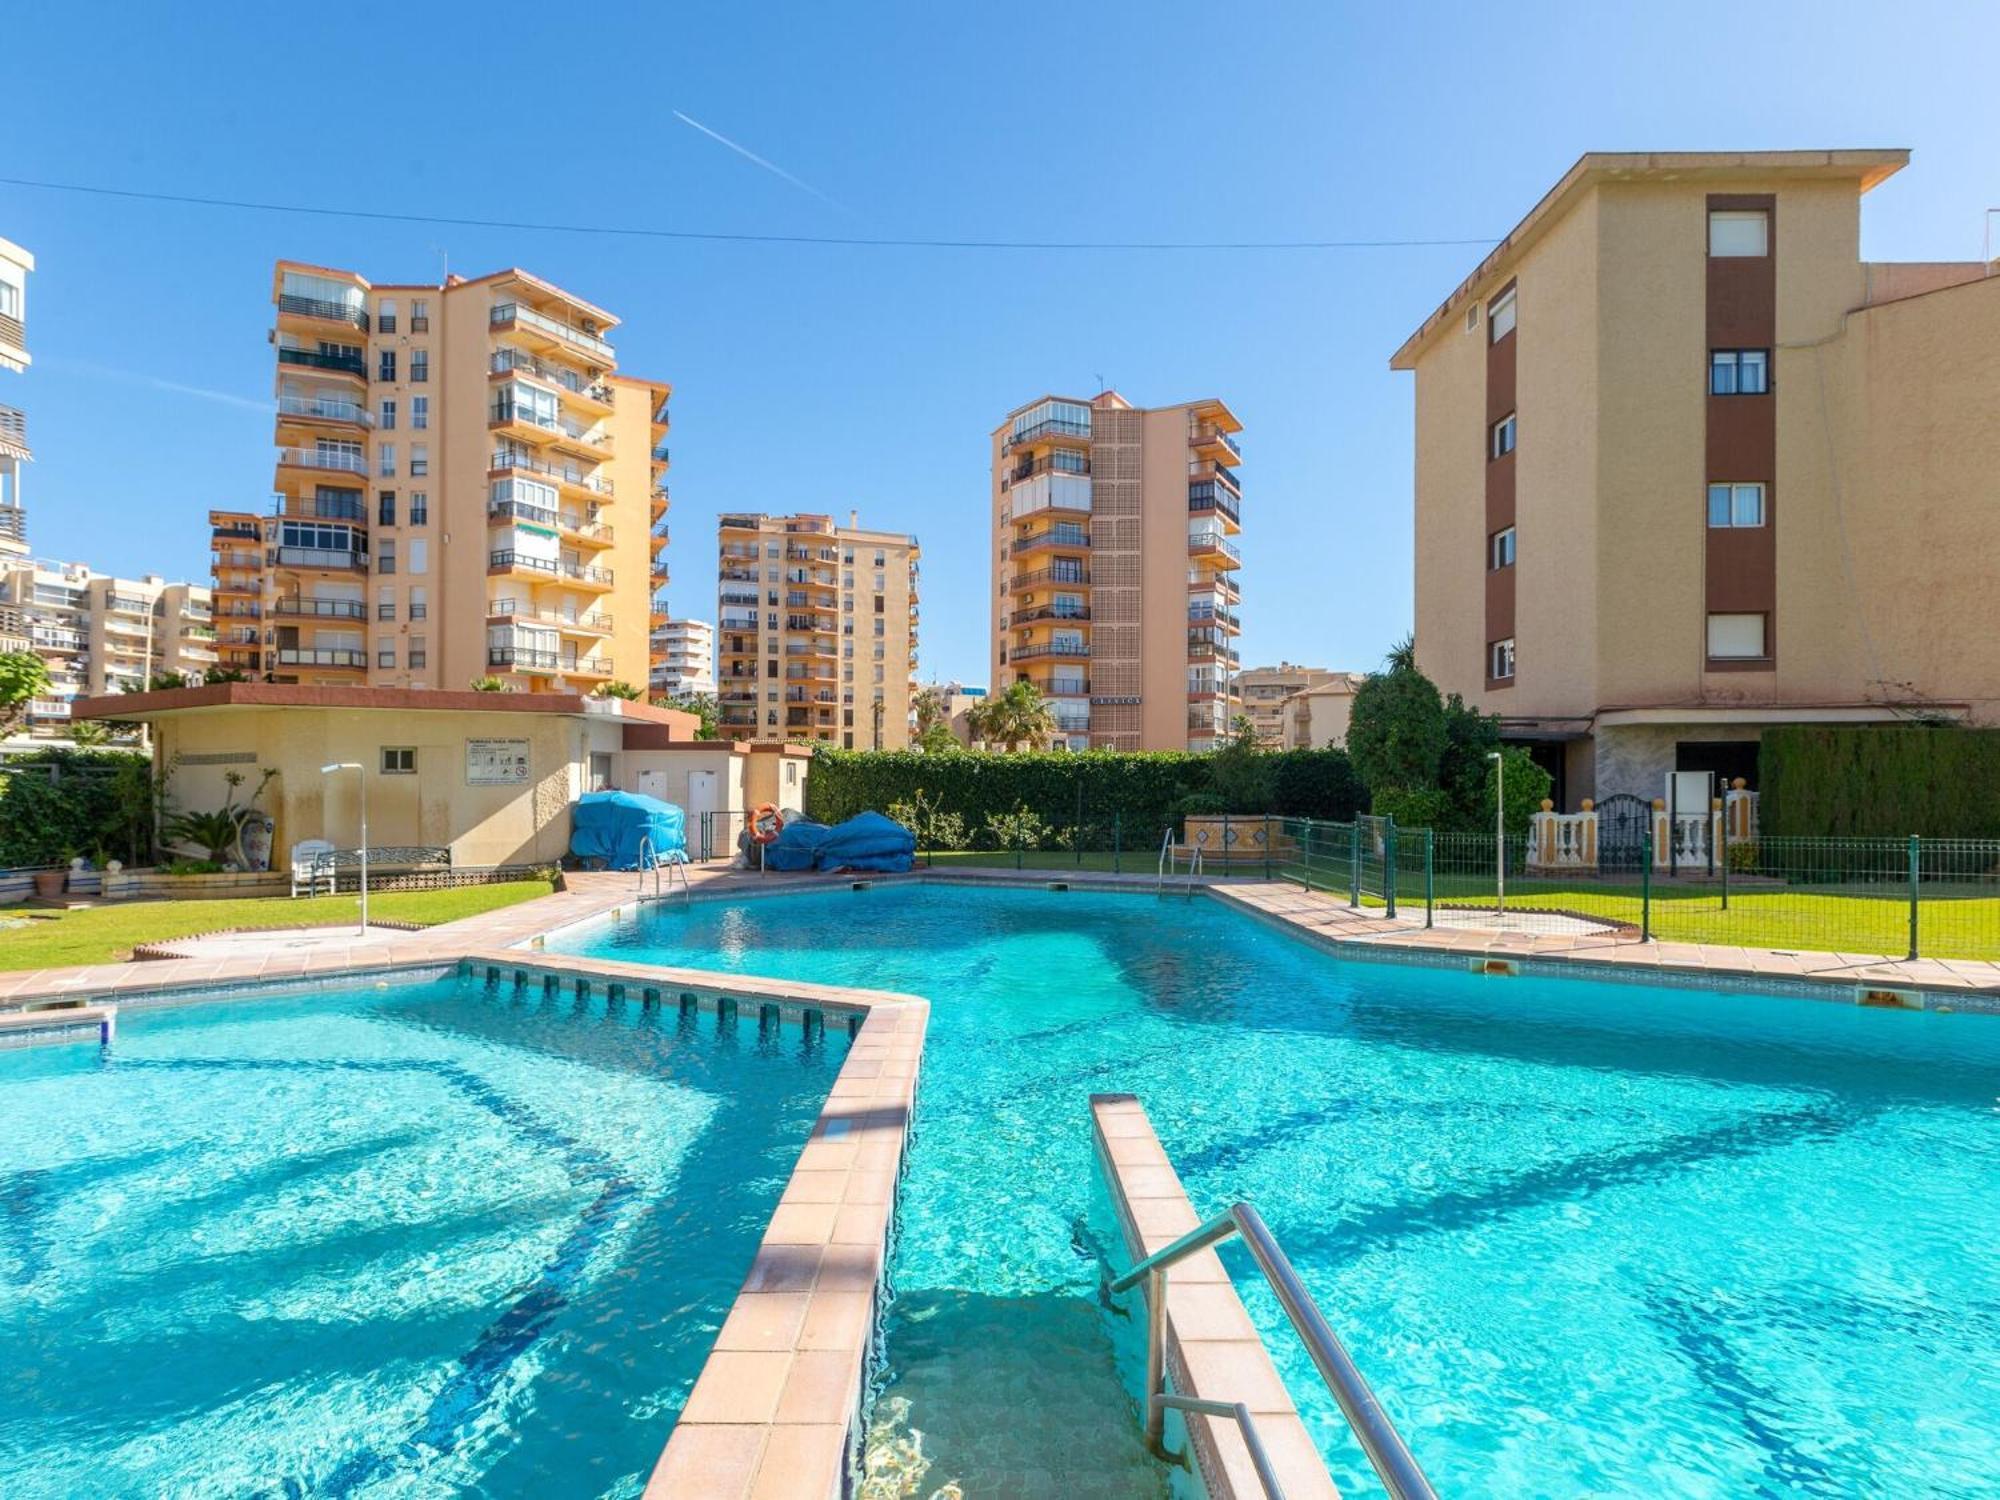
(719, 236)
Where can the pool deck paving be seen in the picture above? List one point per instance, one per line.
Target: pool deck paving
(774, 1411)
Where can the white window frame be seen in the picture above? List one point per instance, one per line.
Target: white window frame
(1733, 360)
(1739, 227)
(1499, 653)
(1738, 495)
(405, 763)
(1502, 315)
(1501, 541)
(1502, 438)
(1729, 618)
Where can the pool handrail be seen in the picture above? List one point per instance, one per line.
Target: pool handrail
(1167, 861)
(1253, 1443)
(1387, 1454)
(651, 859)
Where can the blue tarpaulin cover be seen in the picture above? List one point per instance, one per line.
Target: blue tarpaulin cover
(611, 825)
(868, 841)
(796, 847)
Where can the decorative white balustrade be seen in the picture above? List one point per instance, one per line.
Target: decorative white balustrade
(1681, 841)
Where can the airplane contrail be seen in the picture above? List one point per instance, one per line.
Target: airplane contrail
(749, 155)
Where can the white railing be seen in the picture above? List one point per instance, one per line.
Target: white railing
(1563, 841)
(1681, 841)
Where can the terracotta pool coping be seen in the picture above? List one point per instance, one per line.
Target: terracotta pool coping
(1212, 1349)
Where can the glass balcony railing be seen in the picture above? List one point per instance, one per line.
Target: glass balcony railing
(321, 609)
(507, 559)
(517, 458)
(522, 658)
(320, 656)
(325, 409)
(314, 359)
(516, 361)
(322, 557)
(520, 510)
(320, 307)
(335, 459)
(527, 317)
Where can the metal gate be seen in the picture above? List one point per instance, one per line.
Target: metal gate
(1622, 823)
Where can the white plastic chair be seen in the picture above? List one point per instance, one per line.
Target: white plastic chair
(311, 864)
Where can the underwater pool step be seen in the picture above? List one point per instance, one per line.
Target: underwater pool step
(59, 1023)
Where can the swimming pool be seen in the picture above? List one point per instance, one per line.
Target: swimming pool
(411, 1238)
(1582, 1237)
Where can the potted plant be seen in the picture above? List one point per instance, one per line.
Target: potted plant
(49, 884)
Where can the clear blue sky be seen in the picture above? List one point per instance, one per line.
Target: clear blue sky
(824, 379)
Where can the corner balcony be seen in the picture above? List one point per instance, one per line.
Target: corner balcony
(1212, 443)
(334, 364)
(323, 409)
(1054, 538)
(1048, 577)
(1052, 430)
(315, 310)
(328, 559)
(502, 611)
(1209, 545)
(568, 384)
(543, 331)
(324, 460)
(548, 569)
(1052, 612)
(321, 609)
(1051, 650)
(1207, 499)
(522, 659)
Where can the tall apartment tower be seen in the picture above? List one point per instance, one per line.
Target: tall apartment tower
(1688, 466)
(683, 656)
(15, 264)
(817, 630)
(464, 486)
(1114, 587)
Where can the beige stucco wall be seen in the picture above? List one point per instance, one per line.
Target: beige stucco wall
(483, 825)
(1317, 721)
(710, 755)
(773, 777)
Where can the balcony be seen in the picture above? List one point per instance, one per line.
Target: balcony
(322, 557)
(519, 510)
(320, 656)
(510, 561)
(1054, 536)
(514, 315)
(737, 523)
(1208, 544)
(563, 473)
(237, 562)
(1067, 494)
(1206, 497)
(128, 604)
(1049, 430)
(313, 359)
(324, 311)
(1028, 468)
(347, 506)
(324, 409)
(514, 609)
(1058, 650)
(1212, 443)
(1052, 576)
(588, 666)
(516, 362)
(596, 533)
(335, 459)
(522, 659)
(1053, 612)
(1210, 641)
(321, 609)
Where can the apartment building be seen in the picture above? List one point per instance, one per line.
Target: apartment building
(15, 264)
(1114, 567)
(1264, 691)
(683, 655)
(816, 631)
(102, 634)
(1316, 717)
(465, 487)
(1688, 466)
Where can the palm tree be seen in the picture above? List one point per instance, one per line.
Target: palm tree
(1015, 716)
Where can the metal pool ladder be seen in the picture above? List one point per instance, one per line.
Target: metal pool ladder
(1387, 1453)
(1167, 862)
(649, 859)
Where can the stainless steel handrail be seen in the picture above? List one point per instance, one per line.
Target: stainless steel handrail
(1260, 1460)
(649, 859)
(1387, 1454)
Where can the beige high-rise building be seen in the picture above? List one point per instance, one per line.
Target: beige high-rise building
(465, 488)
(816, 630)
(1114, 587)
(15, 264)
(1688, 466)
(1264, 691)
(683, 656)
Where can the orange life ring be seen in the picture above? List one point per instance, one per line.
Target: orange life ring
(766, 823)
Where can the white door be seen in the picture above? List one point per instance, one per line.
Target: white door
(653, 783)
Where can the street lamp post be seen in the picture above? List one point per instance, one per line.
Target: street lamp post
(361, 777)
(1499, 827)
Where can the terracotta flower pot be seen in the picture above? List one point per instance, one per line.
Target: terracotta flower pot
(49, 883)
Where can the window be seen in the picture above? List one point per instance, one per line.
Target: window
(385, 603)
(1736, 505)
(385, 657)
(419, 607)
(1503, 437)
(420, 315)
(1735, 637)
(419, 555)
(420, 412)
(399, 760)
(420, 460)
(418, 655)
(385, 315)
(420, 507)
(1500, 317)
(385, 364)
(1500, 660)
(385, 455)
(420, 365)
(1500, 551)
(385, 555)
(1737, 232)
(10, 300)
(1739, 372)
(387, 421)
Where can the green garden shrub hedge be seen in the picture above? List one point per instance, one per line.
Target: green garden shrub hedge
(98, 805)
(1144, 789)
(1818, 781)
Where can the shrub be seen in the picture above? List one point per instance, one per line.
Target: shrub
(1019, 829)
(98, 802)
(934, 827)
(1885, 782)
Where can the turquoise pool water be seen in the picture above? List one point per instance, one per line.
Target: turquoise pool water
(413, 1240)
(1584, 1238)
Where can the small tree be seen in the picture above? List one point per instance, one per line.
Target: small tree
(88, 734)
(620, 690)
(1525, 786)
(488, 685)
(23, 676)
(1016, 716)
(215, 675)
(702, 706)
(1396, 733)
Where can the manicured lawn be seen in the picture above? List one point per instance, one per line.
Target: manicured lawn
(41, 937)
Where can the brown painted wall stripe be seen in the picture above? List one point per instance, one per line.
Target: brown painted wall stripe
(1741, 563)
(1500, 401)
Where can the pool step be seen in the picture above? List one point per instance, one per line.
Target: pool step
(60, 1023)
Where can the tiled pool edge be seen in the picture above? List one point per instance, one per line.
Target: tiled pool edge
(1212, 1349)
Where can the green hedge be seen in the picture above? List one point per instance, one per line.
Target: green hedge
(99, 803)
(1816, 781)
(1142, 789)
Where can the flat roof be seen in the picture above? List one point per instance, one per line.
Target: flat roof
(222, 695)
(1867, 167)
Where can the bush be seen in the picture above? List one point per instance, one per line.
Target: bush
(98, 804)
(1888, 782)
(1144, 790)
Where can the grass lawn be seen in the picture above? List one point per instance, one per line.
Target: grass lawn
(34, 937)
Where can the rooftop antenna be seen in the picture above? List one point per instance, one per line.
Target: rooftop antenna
(1101, 386)
(1987, 254)
(444, 264)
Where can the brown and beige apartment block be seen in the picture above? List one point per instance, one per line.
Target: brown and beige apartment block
(1265, 691)
(1687, 466)
(465, 487)
(1316, 717)
(1114, 568)
(816, 631)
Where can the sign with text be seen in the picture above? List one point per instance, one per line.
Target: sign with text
(496, 762)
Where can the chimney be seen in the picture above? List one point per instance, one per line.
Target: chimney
(854, 520)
